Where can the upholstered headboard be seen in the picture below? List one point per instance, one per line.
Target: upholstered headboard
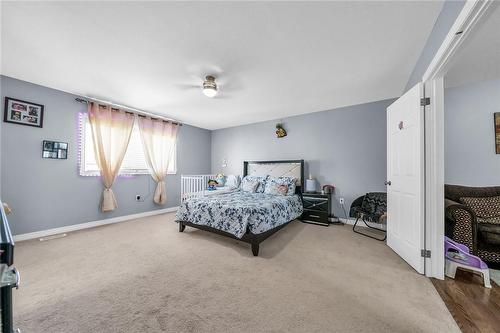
(287, 168)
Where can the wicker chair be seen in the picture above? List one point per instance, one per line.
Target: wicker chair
(371, 207)
(476, 226)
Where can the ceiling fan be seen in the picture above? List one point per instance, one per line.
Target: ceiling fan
(210, 84)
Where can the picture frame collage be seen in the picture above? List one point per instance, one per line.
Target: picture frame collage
(55, 150)
(23, 113)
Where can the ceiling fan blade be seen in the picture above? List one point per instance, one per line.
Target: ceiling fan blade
(230, 85)
(204, 69)
(187, 86)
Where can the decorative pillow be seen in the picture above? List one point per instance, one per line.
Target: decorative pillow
(485, 207)
(233, 181)
(276, 189)
(249, 185)
(277, 186)
(261, 182)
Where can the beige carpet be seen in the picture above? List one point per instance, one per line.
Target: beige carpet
(145, 276)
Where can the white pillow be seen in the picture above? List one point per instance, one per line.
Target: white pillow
(233, 181)
(248, 185)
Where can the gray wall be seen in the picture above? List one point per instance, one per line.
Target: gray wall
(470, 157)
(46, 193)
(345, 147)
(448, 15)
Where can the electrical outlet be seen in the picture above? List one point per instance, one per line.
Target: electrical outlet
(138, 197)
(341, 200)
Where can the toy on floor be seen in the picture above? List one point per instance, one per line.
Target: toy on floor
(212, 185)
(457, 256)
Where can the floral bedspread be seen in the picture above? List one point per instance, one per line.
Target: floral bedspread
(236, 211)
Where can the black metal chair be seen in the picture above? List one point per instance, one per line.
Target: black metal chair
(371, 207)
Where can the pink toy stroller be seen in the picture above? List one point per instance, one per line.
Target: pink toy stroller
(457, 256)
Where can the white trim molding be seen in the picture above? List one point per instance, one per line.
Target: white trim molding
(434, 180)
(471, 14)
(92, 224)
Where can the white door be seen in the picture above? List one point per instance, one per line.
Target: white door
(405, 177)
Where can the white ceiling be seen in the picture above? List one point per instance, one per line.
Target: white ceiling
(273, 59)
(478, 59)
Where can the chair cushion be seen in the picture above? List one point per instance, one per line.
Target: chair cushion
(489, 233)
(374, 206)
(484, 207)
(455, 192)
(375, 203)
(489, 220)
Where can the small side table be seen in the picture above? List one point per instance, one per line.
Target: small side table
(317, 208)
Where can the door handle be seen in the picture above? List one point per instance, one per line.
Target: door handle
(388, 183)
(18, 277)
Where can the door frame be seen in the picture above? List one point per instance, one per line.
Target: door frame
(433, 79)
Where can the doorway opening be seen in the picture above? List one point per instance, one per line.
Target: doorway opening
(463, 166)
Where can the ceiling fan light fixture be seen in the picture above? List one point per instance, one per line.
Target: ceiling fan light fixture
(209, 86)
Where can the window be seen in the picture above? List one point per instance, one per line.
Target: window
(134, 162)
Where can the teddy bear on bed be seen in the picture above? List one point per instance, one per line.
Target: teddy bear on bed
(212, 183)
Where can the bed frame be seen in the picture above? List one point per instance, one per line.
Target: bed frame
(254, 168)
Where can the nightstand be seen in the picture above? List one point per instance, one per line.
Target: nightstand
(317, 208)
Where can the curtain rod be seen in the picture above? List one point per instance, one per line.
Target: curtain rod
(140, 113)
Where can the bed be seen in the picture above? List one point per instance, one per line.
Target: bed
(249, 217)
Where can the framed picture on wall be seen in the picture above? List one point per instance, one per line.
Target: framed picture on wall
(497, 132)
(23, 113)
(55, 149)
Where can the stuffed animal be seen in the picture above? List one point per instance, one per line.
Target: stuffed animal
(221, 179)
(212, 183)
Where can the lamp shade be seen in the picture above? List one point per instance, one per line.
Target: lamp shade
(310, 185)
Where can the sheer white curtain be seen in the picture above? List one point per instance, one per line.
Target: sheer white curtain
(159, 138)
(111, 130)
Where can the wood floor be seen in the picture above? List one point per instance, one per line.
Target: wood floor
(475, 308)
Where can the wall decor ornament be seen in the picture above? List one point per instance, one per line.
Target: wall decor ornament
(21, 112)
(280, 131)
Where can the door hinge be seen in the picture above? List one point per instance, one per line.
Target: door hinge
(425, 101)
(425, 253)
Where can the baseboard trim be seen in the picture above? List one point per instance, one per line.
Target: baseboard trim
(352, 221)
(92, 224)
(347, 221)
